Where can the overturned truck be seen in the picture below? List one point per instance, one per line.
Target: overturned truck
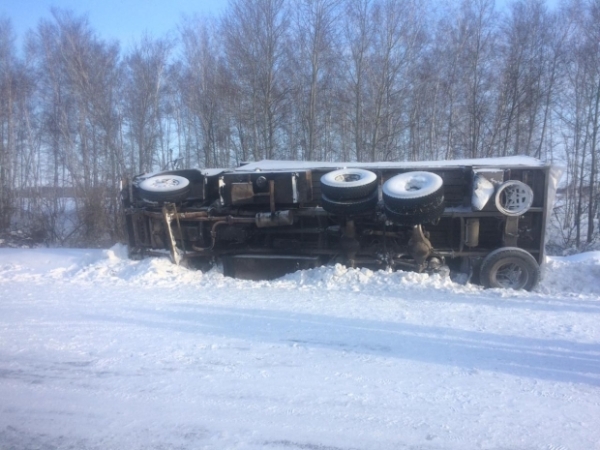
(482, 219)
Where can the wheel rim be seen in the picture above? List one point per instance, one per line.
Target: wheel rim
(165, 184)
(514, 198)
(415, 184)
(347, 177)
(412, 185)
(511, 275)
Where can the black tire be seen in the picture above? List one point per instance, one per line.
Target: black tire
(509, 268)
(164, 188)
(416, 216)
(432, 204)
(348, 184)
(350, 207)
(412, 190)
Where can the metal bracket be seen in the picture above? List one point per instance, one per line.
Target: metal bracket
(169, 211)
(272, 195)
(419, 247)
(511, 231)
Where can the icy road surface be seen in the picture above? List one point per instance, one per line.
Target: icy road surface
(99, 352)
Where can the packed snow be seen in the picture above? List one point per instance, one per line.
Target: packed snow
(506, 161)
(101, 352)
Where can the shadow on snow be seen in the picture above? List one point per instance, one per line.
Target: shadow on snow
(550, 359)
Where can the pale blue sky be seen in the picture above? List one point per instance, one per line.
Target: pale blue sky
(123, 20)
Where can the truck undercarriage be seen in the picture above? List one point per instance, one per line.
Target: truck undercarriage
(484, 218)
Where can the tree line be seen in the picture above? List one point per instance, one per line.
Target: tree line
(326, 80)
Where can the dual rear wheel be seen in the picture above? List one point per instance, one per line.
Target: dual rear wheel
(348, 192)
(414, 198)
(409, 198)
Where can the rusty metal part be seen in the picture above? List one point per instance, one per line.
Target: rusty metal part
(315, 211)
(471, 238)
(349, 243)
(419, 247)
(242, 193)
(201, 216)
(276, 219)
(204, 216)
(272, 195)
(168, 212)
(228, 220)
(511, 231)
(393, 234)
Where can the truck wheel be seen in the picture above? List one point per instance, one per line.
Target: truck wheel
(509, 268)
(350, 207)
(164, 188)
(416, 216)
(348, 184)
(413, 190)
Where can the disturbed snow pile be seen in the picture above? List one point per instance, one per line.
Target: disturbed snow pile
(104, 266)
(338, 277)
(575, 275)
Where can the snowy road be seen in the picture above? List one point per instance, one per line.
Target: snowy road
(98, 352)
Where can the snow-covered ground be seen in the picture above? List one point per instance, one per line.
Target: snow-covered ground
(99, 352)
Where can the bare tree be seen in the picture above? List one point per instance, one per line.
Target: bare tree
(313, 69)
(201, 82)
(525, 82)
(254, 32)
(8, 93)
(478, 76)
(77, 76)
(398, 44)
(578, 109)
(358, 32)
(145, 86)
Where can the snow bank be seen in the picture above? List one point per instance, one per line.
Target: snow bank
(341, 278)
(114, 267)
(577, 275)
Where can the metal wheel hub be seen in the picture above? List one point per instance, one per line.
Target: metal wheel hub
(165, 183)
(347, 177)
(511, 275)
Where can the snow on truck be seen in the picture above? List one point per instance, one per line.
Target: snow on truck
(483, 218)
